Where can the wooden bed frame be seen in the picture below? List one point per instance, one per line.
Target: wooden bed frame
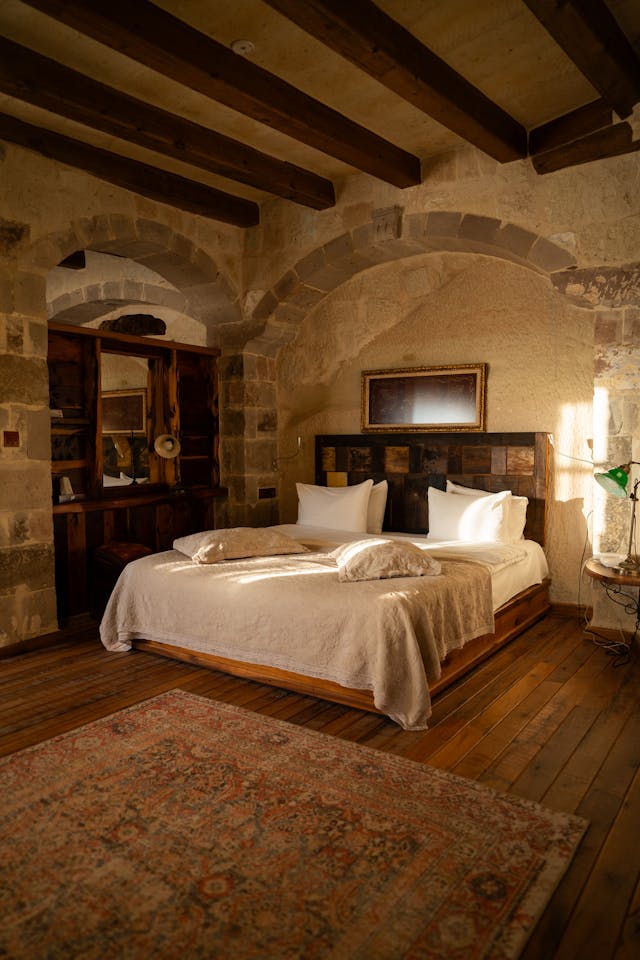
(410, 463)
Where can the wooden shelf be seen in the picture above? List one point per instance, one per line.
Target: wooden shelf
(181, 392)
(60, 466)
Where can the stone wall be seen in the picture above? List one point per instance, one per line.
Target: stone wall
(480, 262)
(50, 212)
(27, 594)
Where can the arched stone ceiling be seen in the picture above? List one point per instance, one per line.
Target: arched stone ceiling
(204, 291)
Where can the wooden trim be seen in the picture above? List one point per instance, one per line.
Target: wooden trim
(33, 643)
(77, 627)
(511, 619)
(117, 342)
(570, 611)
(127, 501)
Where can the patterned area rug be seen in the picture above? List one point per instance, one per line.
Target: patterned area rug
(185, 828)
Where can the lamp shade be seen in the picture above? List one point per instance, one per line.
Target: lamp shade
(167, 446)
(615, 481)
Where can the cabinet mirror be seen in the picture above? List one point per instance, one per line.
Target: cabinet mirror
(125, 387)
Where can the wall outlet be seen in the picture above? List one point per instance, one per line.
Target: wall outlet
(11, 438)
(266, 493)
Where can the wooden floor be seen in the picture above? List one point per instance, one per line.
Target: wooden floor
(551, 717)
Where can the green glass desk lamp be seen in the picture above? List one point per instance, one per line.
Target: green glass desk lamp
(616, 482)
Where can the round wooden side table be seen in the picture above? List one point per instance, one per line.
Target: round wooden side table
(617, 585)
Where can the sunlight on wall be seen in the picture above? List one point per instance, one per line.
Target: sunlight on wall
(574, 466)
(601, 459)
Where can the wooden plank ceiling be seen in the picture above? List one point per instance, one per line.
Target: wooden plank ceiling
(160, 98)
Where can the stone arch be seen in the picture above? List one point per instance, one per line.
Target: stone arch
(389, 235)
(206, 293)
(209, 297)
(89, 303)
(392, 235)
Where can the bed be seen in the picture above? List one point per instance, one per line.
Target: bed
(376, 618)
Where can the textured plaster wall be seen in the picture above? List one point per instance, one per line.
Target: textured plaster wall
(447, 309)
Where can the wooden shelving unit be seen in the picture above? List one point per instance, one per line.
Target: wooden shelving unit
(177, 498)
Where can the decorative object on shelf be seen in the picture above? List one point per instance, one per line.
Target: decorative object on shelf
(616, 482)
(167, 446)
(292, 456)
(447, 399)
(66, 490)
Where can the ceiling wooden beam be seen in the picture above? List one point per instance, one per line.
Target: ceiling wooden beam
(139, 177)
(590, 35)
(363, 34)
(171, 47)
(571, 126)
(35, 79)
(611, 142)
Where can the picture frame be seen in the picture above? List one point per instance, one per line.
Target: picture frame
(444, 399)
(124, 411)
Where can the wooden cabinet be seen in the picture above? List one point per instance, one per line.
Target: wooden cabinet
(151, 519)
(198, 412)
(178, 392)
(73, 392)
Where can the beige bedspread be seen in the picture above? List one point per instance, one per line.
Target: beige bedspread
(291, 612)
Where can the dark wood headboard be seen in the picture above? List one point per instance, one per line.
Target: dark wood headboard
(412, 462)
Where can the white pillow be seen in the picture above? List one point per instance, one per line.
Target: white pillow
(518, 517)
(476, 519)
(232, 543)
(465, 491)
(382, 559)
(517, 508)
(337, 508)
(377, 506)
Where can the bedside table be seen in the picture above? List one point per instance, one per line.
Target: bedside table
(613, 584)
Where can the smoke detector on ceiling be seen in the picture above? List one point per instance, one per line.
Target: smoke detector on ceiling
(244, 47)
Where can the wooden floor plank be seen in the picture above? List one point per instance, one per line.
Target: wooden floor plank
(454, 750)
(571, 785)
(600, 806)
(523, 751)
(605, 902)
(497, 739)
(473, 696)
